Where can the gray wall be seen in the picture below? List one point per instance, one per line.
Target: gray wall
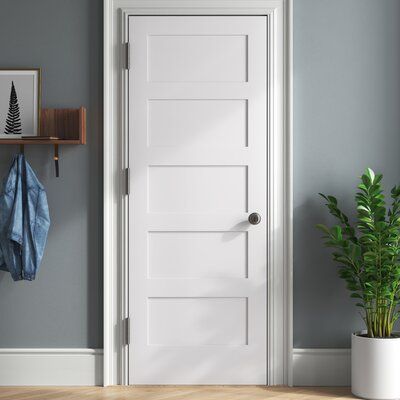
(346, 117)
(63, 307)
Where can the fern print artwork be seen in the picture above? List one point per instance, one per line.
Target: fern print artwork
(13, 121)
(19, 103)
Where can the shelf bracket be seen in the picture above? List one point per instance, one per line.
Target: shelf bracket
(56, 158)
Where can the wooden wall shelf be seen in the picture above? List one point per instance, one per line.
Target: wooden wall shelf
(67, 124)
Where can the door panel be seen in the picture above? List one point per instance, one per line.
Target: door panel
(213, 321)
(197, 123)
(197, 188)
(189, 57)
(197, 151)
(198, 254)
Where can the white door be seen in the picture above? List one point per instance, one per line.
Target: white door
(197, 152)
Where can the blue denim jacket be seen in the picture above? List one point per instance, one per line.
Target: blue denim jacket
(24, 221)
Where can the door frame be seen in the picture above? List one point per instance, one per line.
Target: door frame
(279, 153)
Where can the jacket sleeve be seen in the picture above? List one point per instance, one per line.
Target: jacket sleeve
(42, 226)
(15, 228)
(11, 222)
(2, 261)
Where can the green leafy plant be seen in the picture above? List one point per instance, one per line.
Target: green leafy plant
(368, 252)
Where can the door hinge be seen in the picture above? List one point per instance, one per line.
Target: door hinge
(127, 181)
(127, 55)
(126, 330)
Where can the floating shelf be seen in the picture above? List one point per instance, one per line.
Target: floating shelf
(68, 124)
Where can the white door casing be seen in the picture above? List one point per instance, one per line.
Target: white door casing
(279, 223)
(197, 151)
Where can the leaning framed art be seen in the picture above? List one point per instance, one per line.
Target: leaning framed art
(20, 96)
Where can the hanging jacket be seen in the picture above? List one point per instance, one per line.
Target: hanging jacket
(24, 221)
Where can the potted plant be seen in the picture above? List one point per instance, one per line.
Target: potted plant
(368, 255)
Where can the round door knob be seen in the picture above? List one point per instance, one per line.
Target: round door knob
(255, 218)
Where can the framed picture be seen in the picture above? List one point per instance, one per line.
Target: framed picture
(19, 102)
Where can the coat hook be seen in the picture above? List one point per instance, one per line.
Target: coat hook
(56, 158)
(22, 148)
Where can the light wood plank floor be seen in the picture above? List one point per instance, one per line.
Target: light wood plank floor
(173, 393)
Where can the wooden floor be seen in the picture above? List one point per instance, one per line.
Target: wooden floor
(173, 393)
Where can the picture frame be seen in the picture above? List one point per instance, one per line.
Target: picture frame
(20, 102)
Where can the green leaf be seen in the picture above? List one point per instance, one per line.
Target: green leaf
(370, 174)
(333, 200)
(323, 228)
(322, 195)
(366, 181)
(336, 232)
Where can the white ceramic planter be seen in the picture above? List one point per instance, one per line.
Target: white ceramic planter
(375, 367)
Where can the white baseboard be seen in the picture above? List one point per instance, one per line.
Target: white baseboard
(45, 367)
(84, 367)
(321, 367)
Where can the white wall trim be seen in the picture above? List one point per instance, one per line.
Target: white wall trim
(288, 128)
(280, 174)
(55, 367)
(321, 367)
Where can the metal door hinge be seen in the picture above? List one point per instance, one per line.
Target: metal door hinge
(127, 55)
(127, 181)
(126, 330)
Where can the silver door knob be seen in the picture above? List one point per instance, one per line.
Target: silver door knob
(254, 218)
